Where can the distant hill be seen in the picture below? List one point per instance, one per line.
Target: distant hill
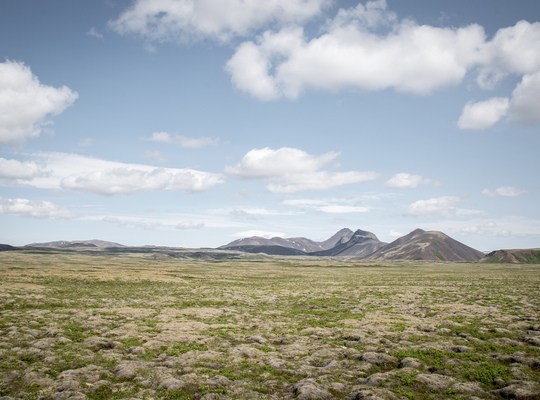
(76, 243)
(282, 246)
(429, 246)
(359, 245)
(270, 250)
(514, 256)
(7, 247)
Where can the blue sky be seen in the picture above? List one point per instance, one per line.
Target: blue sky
(192, 123)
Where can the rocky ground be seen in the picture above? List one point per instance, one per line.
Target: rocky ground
(121, 327)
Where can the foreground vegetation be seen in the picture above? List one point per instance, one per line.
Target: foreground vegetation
(78, 326)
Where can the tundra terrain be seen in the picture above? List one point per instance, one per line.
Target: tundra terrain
(94, 326)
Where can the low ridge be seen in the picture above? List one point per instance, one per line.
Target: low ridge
(76, 243)
(513, 256)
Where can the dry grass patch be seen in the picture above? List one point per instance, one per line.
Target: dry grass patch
(114, 327)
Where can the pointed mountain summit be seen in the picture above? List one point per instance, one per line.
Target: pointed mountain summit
(430, 246)
(341, 236)
(360, 245)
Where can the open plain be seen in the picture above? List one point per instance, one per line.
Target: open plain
(93, 326)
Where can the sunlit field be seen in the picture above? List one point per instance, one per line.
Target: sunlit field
(76, 326)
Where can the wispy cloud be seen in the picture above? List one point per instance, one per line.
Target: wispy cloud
(328, 206)
(504, 226)
(259, 233)
(195, 19)
(183, 141)
(93, 32)
(155, 155)
(257, 211)
(86, 142)
(165, 221)
(445, 205)
(441, 206)
(504, 191)
(77, 172)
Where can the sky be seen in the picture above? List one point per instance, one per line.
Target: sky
(192, 123)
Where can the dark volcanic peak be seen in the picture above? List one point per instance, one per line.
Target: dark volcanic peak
(341, 236)
(360, 245)
(76, 243)
(422, 245)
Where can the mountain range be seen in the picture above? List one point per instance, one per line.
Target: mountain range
(346, 244)
(417, 245)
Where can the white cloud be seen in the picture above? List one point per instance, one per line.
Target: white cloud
(483, 114)
(513, 50)
(26, 103)
(77, 172)
(523, 106)
(352, 53)
(33, 208)
(93, 32)
(17, 170)
(290, 170)
(504, 191)
(525, 102)
(181, 20)
(328, 206)
(270, 163)
(183, 141)
(264, 234)
(404, 180)
(368, 48)
(445, 205)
